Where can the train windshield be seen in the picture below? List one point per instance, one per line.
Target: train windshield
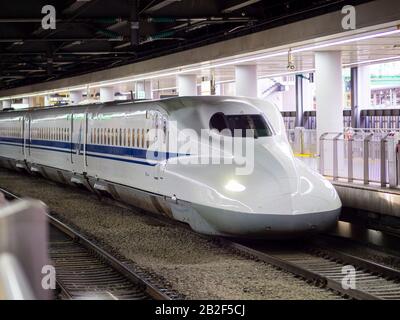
(241, 123)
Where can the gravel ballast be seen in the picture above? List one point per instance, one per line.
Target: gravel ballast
(195, 266)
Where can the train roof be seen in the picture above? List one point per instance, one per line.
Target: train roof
(169, 104)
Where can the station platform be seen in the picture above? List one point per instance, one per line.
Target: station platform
(369, 198)
(372, 198)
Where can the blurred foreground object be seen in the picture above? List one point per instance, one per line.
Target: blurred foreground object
(23, 249)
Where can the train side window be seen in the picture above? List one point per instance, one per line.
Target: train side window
(147, 139)
(120, 137)
(128, 137)
(143, 139)
(138, 138)
(165, 129)
(133, 138)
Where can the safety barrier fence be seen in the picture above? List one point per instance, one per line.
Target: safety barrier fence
(372, 119)
(303, 141)
(365, 155)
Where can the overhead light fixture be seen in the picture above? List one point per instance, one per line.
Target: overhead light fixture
(216, 64)
(346, 41)
(372, 61)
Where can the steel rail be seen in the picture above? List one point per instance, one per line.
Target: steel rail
(325, 274)
(119, 266)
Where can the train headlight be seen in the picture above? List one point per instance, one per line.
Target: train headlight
(234, 186)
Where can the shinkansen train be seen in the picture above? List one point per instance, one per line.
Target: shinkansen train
(109, 149)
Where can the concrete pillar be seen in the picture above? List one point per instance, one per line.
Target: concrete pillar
(46, 101)
(299, 101)
(329, 92)
(75, 97)
(308, 95)
(26, 101)
(187, 85)
(106, 94)
(364, 87)
(144, 90)
(246, 81)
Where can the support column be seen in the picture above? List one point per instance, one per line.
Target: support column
(46, 101)
(364, 87)
(75, 97)
(107, 94)
(6, 104)
(329, 92)
(187, 85)
(299, 101)
(308, 94)
(26, 101)
(355, 113)
(144, 90)
(246, 81)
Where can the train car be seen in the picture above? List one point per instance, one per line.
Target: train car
(144, 154)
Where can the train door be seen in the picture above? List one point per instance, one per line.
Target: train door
(27, 136)
(79, 123)
(161, 147)
(20, 138)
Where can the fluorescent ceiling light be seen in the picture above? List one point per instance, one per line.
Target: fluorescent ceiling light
(212, 65)
(372, 61)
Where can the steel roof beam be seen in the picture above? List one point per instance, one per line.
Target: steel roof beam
(160, 5)
(240, 5)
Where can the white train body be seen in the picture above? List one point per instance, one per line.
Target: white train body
(104, 148)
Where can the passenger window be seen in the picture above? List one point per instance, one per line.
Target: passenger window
(138, 138)
(129, 137)
(143, 139)
(133, 138)
(147, 139)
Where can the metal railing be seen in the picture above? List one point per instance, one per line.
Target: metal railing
(303, 141)
(365, 155)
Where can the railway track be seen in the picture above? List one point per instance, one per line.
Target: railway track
(318, 264)
(86, 271)
(324, 267)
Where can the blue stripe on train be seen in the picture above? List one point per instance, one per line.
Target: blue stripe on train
(91, 149)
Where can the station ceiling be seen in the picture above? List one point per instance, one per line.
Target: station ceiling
(93, 35)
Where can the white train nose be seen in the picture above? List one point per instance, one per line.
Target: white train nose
(244, 224)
